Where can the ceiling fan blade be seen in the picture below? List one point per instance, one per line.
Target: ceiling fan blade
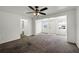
(42, 13)
(29, 12)
(44, 9)
(31, 7)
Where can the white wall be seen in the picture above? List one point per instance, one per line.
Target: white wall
(33, 26)
(77, 27)
(52, 27)
(38, 27)
(0, 28)
(71, 26)
(9, 27)
(29, 27)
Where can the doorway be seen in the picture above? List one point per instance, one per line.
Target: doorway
(52, 26)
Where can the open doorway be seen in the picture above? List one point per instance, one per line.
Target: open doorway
(52, 26)
(25, 27)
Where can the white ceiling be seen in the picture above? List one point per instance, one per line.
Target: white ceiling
(22, 9)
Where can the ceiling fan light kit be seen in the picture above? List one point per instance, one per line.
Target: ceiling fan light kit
(36, 14)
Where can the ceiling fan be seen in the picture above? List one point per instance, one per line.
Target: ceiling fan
(37, 11)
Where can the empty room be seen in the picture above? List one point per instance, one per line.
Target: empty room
(39, 29)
